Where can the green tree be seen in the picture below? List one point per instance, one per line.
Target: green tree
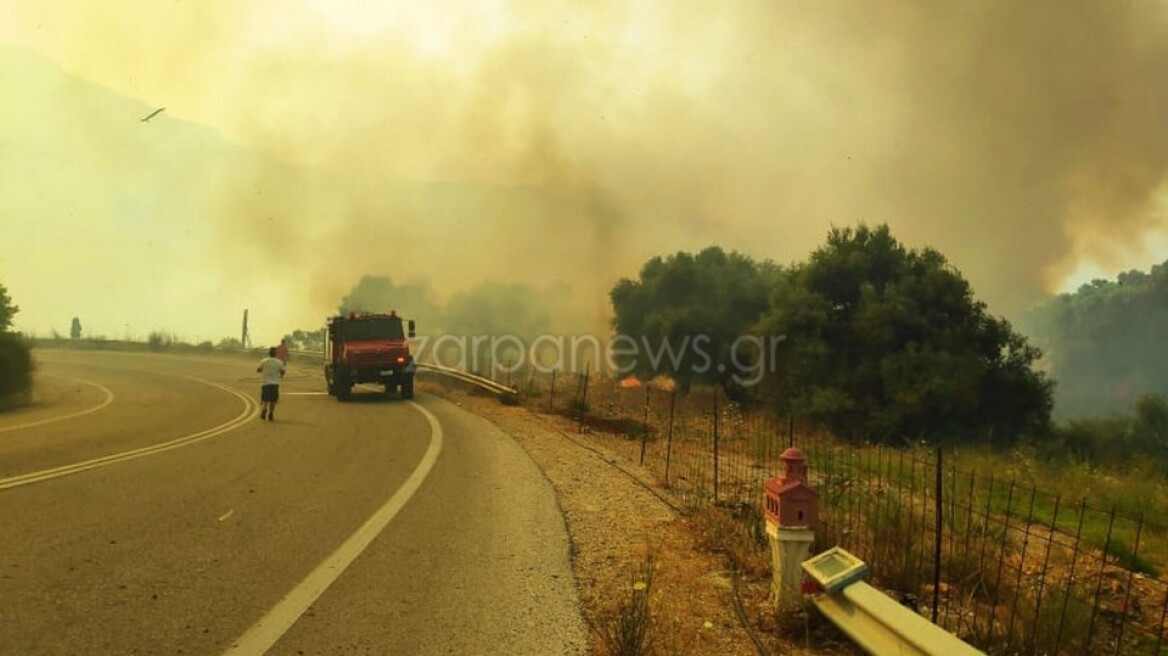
(884, 342)
(1105, 342)
(684, 317)
(1149, 429)
(1123, 442)
(16, 365)
(381, 294)
(499, 323)
(494, 308)
(7, 310)
(309, 340)
(16, 369)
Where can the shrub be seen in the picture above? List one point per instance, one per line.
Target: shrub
(625, 630)
(16, 367)
(159, 341)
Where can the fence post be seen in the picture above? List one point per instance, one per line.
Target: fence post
(940, 518)
(1058, 638)
(1099, 582)
(715, 445)
(1021, 564)
(583, 398)
(669, 437)
(1131, 572)
(1046, 560)
(985, 539)
(965, 551)
(645, 427)
(1163, 619)
(1002, 554)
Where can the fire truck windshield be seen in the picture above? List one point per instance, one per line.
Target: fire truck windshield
(363, 329)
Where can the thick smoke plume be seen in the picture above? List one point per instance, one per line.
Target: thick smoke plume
(536, 142)
(1018, 138)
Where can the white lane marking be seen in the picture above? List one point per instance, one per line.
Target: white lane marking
(109, 398)
(250, 406)
(276, 622)
(303, 393)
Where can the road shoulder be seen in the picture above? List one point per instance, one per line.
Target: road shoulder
(615, 520)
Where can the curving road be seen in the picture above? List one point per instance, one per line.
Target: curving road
(147, 510)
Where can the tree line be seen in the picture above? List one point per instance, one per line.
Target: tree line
(1105, 342)
(866, 338)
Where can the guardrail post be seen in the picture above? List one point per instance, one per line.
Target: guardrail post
(791, 509)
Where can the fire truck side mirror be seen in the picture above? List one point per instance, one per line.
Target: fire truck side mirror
(410, 323)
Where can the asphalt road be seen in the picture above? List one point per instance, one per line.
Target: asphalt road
(145, 509)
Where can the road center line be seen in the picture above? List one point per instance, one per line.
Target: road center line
(276, 622)
(245, 415)
(109, 398)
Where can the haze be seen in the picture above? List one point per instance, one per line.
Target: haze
(307, 143)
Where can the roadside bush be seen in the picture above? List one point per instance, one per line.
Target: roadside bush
(1118, 442)
(625, 629)
(16, 368)
(159, 341)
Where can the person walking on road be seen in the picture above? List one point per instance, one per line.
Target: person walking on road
(272, 369)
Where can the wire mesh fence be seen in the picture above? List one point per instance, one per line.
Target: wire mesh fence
(1003, 565)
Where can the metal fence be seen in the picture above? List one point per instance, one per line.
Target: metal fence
(1004, 566)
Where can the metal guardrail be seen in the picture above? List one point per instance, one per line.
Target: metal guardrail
(506, 394)
(879, 624)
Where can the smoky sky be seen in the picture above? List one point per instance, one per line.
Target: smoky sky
(1018, 138)
(538, 142)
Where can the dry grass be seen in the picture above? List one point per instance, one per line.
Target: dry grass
(626, 627)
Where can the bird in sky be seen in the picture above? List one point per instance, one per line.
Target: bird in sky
(153, 114)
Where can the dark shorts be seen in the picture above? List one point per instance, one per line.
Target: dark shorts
(270, 393)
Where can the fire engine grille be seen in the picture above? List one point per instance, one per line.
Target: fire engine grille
(369, 359)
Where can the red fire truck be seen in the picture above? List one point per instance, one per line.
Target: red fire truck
(363, 347)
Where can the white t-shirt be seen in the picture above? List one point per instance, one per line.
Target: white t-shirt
(271, 368)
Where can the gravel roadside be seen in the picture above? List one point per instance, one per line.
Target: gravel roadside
(615, 520)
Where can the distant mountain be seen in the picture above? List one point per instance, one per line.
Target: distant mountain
(166, 224)
(61, 135)
(103, 215)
